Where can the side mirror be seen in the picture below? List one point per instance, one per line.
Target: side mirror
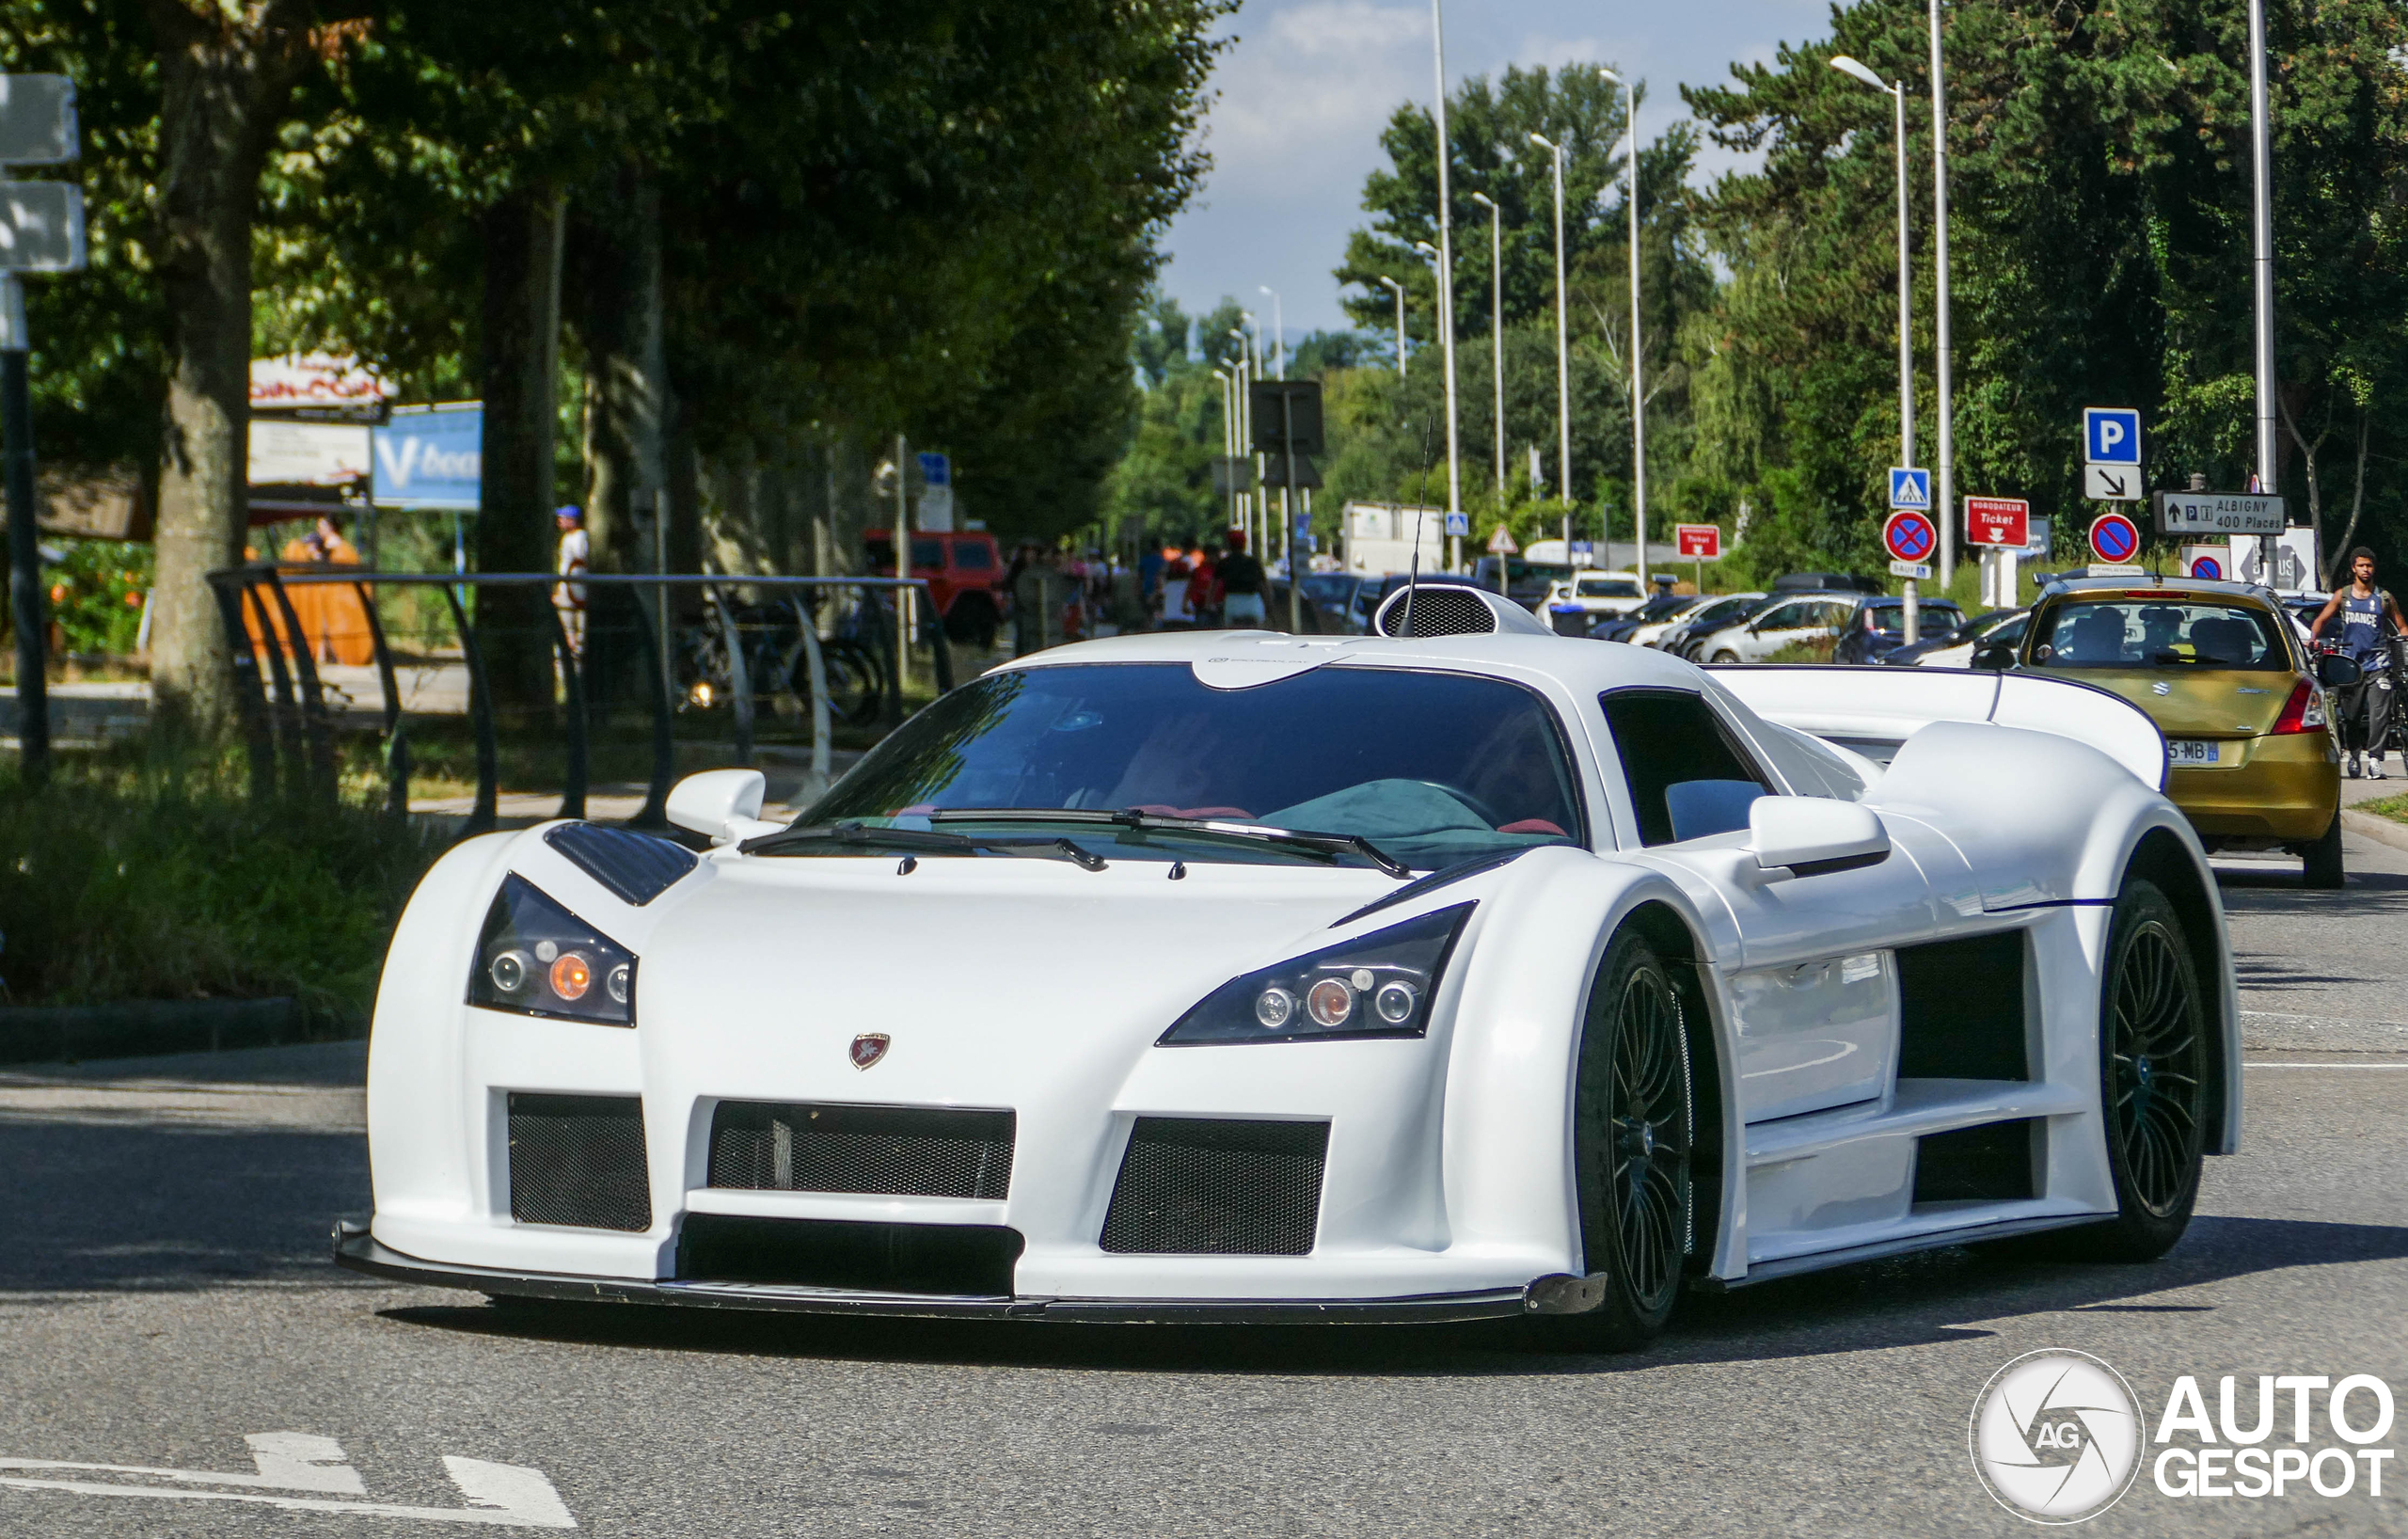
(1996, 655)
(2338, 672)
(725, 804)
(1813, 836)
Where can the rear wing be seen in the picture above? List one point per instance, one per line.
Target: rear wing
(1875, 710)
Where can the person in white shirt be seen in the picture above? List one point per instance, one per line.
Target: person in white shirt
(569, 597)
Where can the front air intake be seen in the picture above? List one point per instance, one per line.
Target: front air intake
(578, 1161)
(1193, 1187)
(871, 1151)
(1451, 609)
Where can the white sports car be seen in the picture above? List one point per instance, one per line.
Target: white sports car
(1447, 972)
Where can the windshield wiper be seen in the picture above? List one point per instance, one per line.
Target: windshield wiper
(1326, 844)
(919, 841)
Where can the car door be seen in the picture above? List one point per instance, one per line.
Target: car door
(1779, 627)
(1808, 969)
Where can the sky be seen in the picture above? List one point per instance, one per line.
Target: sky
(1308, 85)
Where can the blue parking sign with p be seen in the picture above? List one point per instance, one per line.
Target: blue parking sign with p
(2111, 434)
(1909, 489)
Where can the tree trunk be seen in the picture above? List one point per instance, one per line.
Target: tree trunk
(521, 381)
(224, 86)
(619, 318)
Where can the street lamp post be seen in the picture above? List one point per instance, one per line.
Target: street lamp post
(1446, 267)
(1278, 334)
(1228, 444)
(2262, 225)
(1897, 94)
(1496, 324)
(1563, 351)
(1638, 367)
(1944, 361)
(1402, 368)
(1245, 427)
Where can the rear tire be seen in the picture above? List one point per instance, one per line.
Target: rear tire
(2319, 863)
(2153, 1068)
(1633, 1130)
(1726, 656)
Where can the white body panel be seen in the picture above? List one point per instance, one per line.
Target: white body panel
(1041, 987)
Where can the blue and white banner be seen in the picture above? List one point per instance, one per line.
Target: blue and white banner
(430, 457)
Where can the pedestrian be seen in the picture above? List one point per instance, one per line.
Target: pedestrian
(576, 557)
(1243, 583)
(2369, 625)
(1176, 576)
(1149, 576)
(1204, 587)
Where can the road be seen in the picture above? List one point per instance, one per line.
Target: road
(163, 1294)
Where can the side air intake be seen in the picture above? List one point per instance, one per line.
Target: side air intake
(1451, 608)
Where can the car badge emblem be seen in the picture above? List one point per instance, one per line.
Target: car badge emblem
(2161, 689)
(869, 1047)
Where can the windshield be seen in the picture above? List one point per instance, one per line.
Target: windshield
(2126, 631)
(1431, 768)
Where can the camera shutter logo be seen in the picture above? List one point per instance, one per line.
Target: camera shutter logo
(2056, 1437)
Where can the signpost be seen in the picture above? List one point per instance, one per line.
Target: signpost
(1501, 543)
(2115, 539)
(1909, 489)
(1286, 413)
(42, 231)
(2111, 453)
(2207, 562)
(936, 493)
(1999, 527)
(1699, 543)
(1909, 536)
(2217, 513)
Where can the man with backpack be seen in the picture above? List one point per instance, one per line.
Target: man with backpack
(2369, 624)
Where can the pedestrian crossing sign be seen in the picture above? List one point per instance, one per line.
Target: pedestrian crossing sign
(1909, 489)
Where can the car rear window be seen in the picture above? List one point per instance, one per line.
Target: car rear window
(2126, 630)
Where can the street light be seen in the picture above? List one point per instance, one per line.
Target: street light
(1446, 267)
(1401, 371)
(1562, 350)
(1229, 442)
(1246, 423)
(1945, 362)
(1278, 332)
(2261, 168)
(1897, 94)
(1637, 376)
(1496, 324)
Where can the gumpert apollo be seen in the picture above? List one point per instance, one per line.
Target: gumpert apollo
(1450, 970)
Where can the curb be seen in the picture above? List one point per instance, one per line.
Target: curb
(2381, 830)
(142, 1028)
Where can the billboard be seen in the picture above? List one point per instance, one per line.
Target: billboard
(429, 457)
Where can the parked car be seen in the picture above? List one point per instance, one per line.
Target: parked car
(1956, 648)
(1643, 623)
(1595, 595)
(1788, 620)
(1340, 598)
(1526, 581)
(1879, 625)
(1685, 632)
(965, 575)
(1827, 582)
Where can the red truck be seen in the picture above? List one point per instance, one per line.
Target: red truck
(965, 575)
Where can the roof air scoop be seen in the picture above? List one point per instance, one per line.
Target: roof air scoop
(1451, 609)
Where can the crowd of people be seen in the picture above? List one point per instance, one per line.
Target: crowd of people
(1180, 585)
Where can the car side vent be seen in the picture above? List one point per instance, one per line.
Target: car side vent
(1451, 608)
(1960, 1008)
(1992, 1163)
(636, 867)
(1194, 1187)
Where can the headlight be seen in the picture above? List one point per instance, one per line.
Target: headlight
(538, 959)
(1376, 985)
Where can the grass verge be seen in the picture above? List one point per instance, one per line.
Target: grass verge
(2393, 807)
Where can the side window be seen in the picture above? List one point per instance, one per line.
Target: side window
(1687, 778)
(1787, 617)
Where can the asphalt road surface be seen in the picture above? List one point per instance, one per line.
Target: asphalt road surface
(164, 1295)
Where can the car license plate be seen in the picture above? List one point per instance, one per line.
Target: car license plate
(2190, 750)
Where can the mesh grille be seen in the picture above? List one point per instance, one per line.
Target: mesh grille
(578, 1160)
(972, 1261)
(882, 1151)
(1207, 1188)
(636, 867)
(1438, 609)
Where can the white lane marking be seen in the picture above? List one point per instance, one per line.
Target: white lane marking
(2246, 1064)
(498, 1495)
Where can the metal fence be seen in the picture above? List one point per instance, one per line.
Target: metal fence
(857, 674)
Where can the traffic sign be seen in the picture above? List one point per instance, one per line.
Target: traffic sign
(1909, 489)
(1584, 553)
(2217, 513)
(2114, 538)
(42, 227)
(1998, 521)
(1919, 570)
(2111, 482)
(2111, 436)
(1501, 543)
(2209, 563)
(1699, 541)
(1459, 525)
(1909, 535)
(37, 121)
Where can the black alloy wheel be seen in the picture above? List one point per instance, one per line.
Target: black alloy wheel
(1633, 1131)
(2154, 1069)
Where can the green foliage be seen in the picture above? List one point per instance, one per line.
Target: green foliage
(96, 594)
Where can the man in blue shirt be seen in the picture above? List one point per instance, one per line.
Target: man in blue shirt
(2369, 621)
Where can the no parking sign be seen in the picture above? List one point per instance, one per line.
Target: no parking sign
(2115, 539)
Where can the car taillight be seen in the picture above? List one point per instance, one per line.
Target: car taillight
(2303, 711)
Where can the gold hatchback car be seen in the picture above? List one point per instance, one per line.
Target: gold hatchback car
(2219, 667)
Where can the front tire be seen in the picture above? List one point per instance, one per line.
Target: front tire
(2319, 863)
(1726, 656)
(1633, 1131)
(2153, 1069)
